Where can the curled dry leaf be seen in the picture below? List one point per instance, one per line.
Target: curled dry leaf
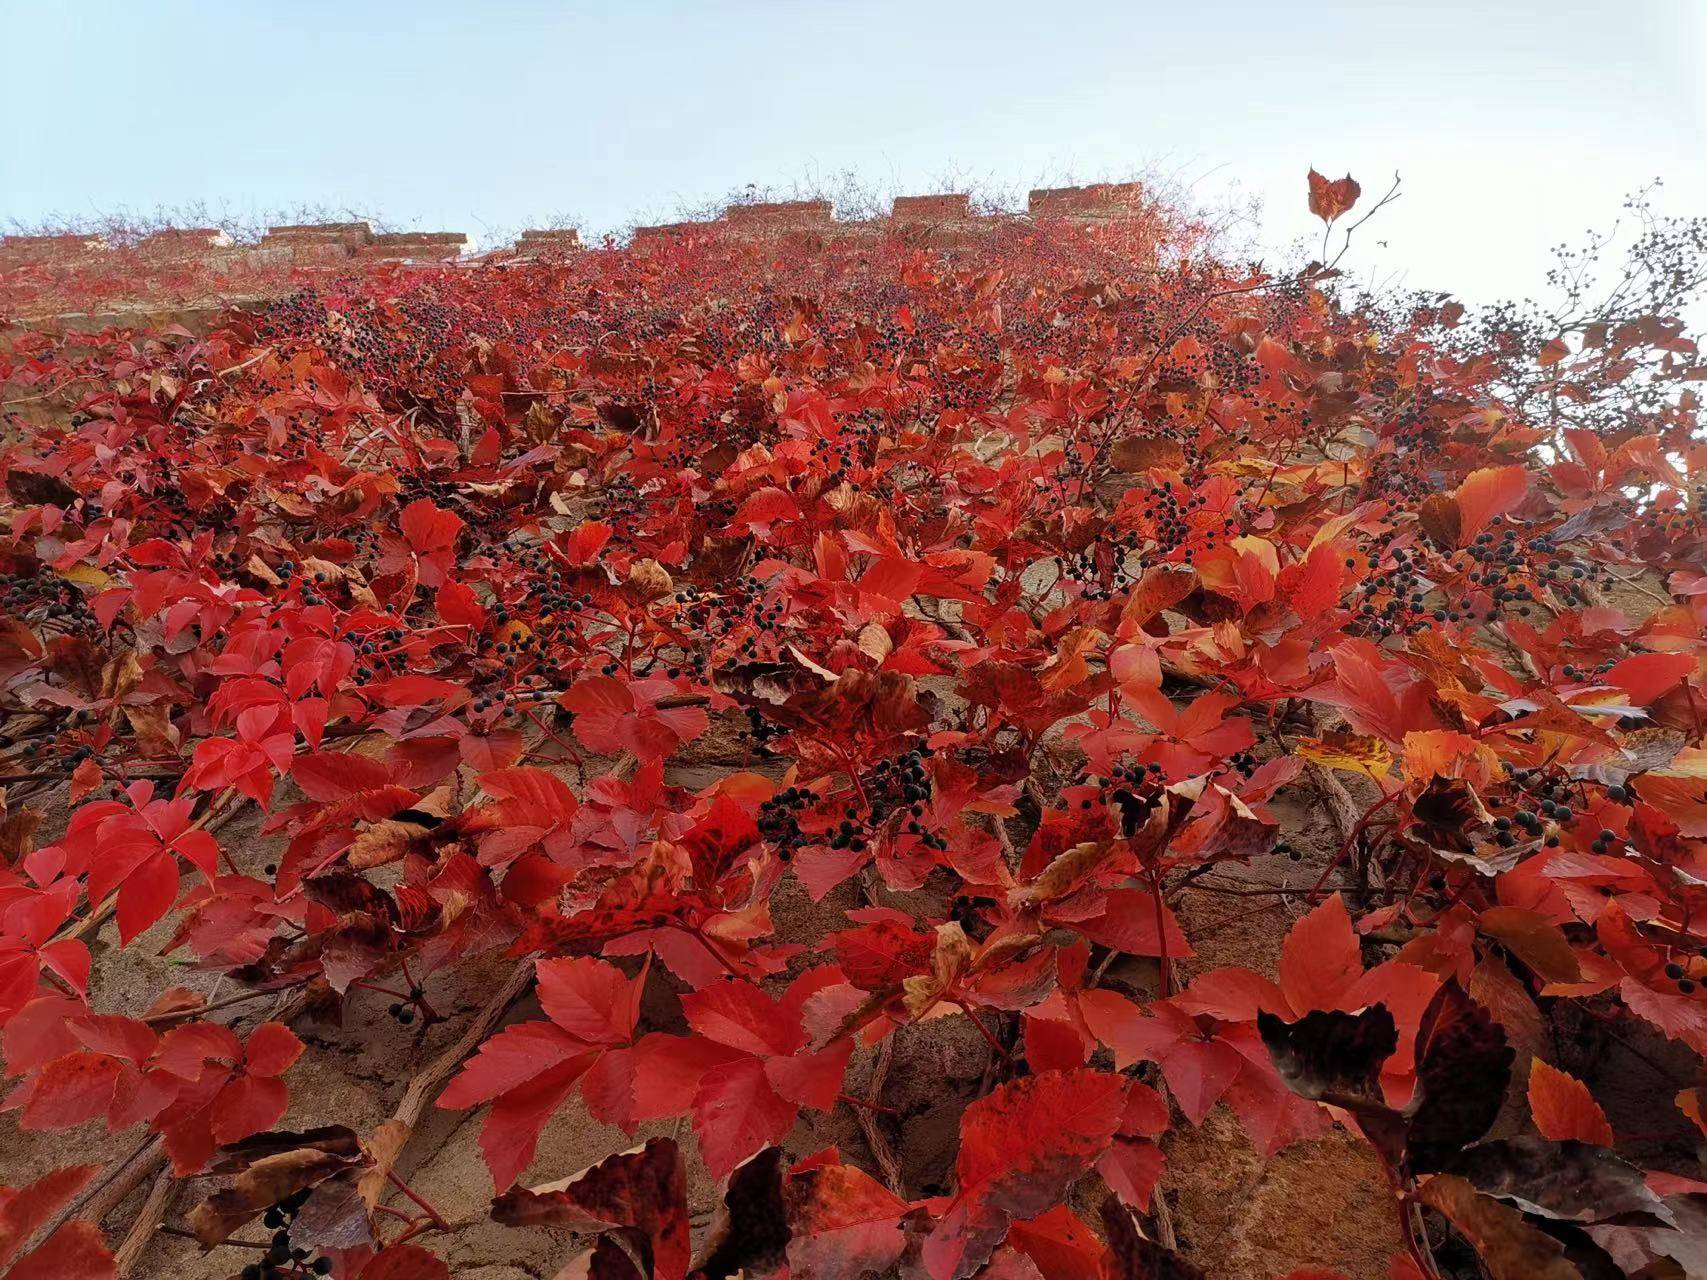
(270, 1167)
(648, 581)
(751, 1232)
(1566, 1181)
(640, 1195)
(1333, 1057)
(1133, 1257)
(1463, 1067)
(1509, 1247)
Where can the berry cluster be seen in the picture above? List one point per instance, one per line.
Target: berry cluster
(49, 601)
(898, 787)
(281, 1260)
(779, 820)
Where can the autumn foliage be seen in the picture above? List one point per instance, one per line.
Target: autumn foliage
(1013, 590)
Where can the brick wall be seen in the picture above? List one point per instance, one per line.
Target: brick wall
(944, 219)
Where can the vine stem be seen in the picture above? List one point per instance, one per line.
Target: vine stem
(182, 1234)
(1351, 839)
(989, 1037)
(420, 1201)
(869, 1106)
(242, 997)
(1165, 966)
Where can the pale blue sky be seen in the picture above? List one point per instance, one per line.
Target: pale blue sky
(1515, 125)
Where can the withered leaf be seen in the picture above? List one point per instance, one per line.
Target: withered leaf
(1439, 518)
(1450, 806)
(1331, 198)
(272, 1168)
(750, 1234)
(648, 581)
(1135, 1258)
(1510, 1248)
(1141, 453)
(1570, 1181)
(1533, 939)
(1463, 1068)
(1331, 1056)
(641, 1194)
(35, 488)
(386, 841)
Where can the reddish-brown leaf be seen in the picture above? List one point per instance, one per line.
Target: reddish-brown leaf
(843, 1223)
(641, 1194)
(1021, 1147)
(1328, 200)
(1320, 959)
(1563, 1108)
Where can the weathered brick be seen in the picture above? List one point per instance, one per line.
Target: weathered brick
(548, 242)
(1101, 199)
(784, 213)
(666, 231)
(951, 205)
(419, 244)
(21, 250)
(184, 242)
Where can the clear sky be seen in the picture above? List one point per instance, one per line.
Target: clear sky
(1515, 125)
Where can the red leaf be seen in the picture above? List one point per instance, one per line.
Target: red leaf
(843, 1223)
(1198, 1065)
(1648, 675)
(1487, 494)
(246, 1106)
(508, 1060)
(1059, 1244)
(404, 1262)
(512, 1127)
(614, 715)
(741, 1016)
(811, 1079)
(70, 1090)
(1320, 958)
(76, 1249)
(23, 1210)
(1563, 1107)
(1132, 1168)
(271, 1049)
(458, 605)
(1129, 923)
(1021, 1148)
(590, 999)
(736, 1112)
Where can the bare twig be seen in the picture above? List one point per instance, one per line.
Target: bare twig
(871, 1126)
(1383, 202)
(427, 1081)
(147, 1225)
